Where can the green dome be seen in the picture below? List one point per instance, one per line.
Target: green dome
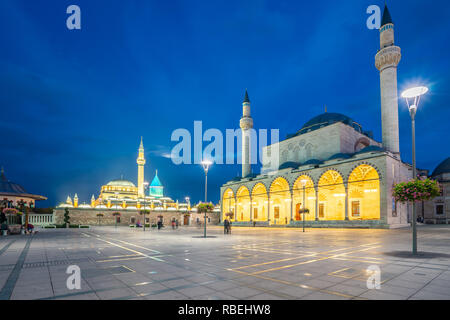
(121, 183)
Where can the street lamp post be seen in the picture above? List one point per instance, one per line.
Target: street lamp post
(117, 199)
(145, 188)
(188, 209)
(304, 201)
(412, 97)
(206, 164)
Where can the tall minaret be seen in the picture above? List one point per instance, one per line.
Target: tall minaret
(141, 162)
(387, 60)
(246, 124)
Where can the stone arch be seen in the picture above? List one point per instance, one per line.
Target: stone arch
(332, 195)
(280, 201)
(364, 193)
(243, 200)
(331, 169)
(228, 204)
(260, 202)
(304, 198)
(358, 164)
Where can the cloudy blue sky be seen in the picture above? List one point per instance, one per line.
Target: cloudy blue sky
(75, 103)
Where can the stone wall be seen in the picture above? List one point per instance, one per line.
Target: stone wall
(340, 138)
(89, 217)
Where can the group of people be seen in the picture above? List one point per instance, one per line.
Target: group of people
(227, 226)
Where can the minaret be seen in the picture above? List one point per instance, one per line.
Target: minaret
(386, 61)
(141, 162)
(75, 201)
(246, 124)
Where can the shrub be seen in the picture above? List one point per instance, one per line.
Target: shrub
(416, 190)
(66, 216)
(11, 211)
(205, 207)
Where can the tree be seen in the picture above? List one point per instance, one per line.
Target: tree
(116, 215)
(204, 208)
(144, 212)
(99, 216)
(66, 217)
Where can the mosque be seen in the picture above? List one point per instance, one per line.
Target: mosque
(121, 194)
(332, 172)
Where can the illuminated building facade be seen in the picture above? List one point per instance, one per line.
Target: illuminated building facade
(121, 194)
(332, 173)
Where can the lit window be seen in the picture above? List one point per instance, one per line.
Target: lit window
(356, 209)
(255, 213)
(321, 210)
(276, 212)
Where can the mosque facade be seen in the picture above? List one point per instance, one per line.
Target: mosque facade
(332, 172)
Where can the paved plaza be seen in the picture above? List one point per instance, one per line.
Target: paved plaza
(250, 264)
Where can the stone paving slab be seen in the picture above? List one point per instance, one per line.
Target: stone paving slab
(252, 263)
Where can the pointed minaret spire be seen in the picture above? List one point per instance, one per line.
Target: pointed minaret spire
(246, 99)
(386, 16)
(141, 146)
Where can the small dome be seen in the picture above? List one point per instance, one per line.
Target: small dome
(312, 161)
(121, 183)
(327, 119)
(443, 167)
(289, 165)
(370, 149)
(340, 156)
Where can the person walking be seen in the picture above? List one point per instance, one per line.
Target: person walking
(159, 224)
(226, 224)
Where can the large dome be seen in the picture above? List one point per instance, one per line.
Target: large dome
(121, 183)
(327, 119)
(443, 167)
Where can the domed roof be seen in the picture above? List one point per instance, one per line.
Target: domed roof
(289, 165)
(443, 167)
(156, 182)
(327, 119)
(7, 186)
(370, 149)
(312, 161)
(121, 183)
(339, 156)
